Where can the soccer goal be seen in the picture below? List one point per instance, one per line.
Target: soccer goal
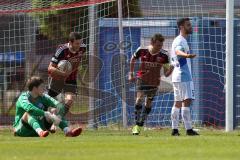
(112, 30)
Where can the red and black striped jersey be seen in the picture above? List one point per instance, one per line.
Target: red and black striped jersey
(150, 65)
(63, 53)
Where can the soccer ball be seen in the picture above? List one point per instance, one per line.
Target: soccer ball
(65, 65)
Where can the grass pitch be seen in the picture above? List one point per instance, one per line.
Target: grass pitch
(121, 145)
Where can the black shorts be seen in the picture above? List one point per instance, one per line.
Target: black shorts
(55, 87)
(149, 91)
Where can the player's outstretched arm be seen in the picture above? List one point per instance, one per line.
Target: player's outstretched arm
(185, 55)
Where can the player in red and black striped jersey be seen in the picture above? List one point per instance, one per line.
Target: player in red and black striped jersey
(152, 60)
(66, 81)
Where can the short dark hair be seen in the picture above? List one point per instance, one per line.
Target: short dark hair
(181, 21)
(34, 82)
(74, 36)
(157, 37)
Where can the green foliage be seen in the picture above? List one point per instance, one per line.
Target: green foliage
(56, 24)
(131, 8)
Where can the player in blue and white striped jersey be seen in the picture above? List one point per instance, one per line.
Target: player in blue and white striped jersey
(182, 78)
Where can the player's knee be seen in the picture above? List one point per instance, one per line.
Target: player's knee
(139, 101)
(69, 99)
(149, 102)
(68, 102)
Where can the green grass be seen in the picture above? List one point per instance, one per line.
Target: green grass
(121, 145)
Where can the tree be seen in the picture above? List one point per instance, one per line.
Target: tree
(56, 24)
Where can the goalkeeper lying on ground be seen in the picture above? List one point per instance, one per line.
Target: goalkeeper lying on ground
(32, 115)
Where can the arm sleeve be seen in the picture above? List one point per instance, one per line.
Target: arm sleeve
(179, 47)
(49, 101)
(29, 107)
(166, 57)
(58, 55)
(137, 53)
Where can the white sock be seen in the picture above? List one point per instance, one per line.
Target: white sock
(38, 130)
(186, 116)
(175, 117)
(65, 130)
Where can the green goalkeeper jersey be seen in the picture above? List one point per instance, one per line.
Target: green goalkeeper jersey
(34, 106)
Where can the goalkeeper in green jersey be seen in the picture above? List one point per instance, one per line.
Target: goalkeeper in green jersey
(32, 115)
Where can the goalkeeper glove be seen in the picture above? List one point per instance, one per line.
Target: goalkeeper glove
(52, 118)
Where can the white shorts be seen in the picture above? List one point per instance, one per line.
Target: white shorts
(183, 91)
